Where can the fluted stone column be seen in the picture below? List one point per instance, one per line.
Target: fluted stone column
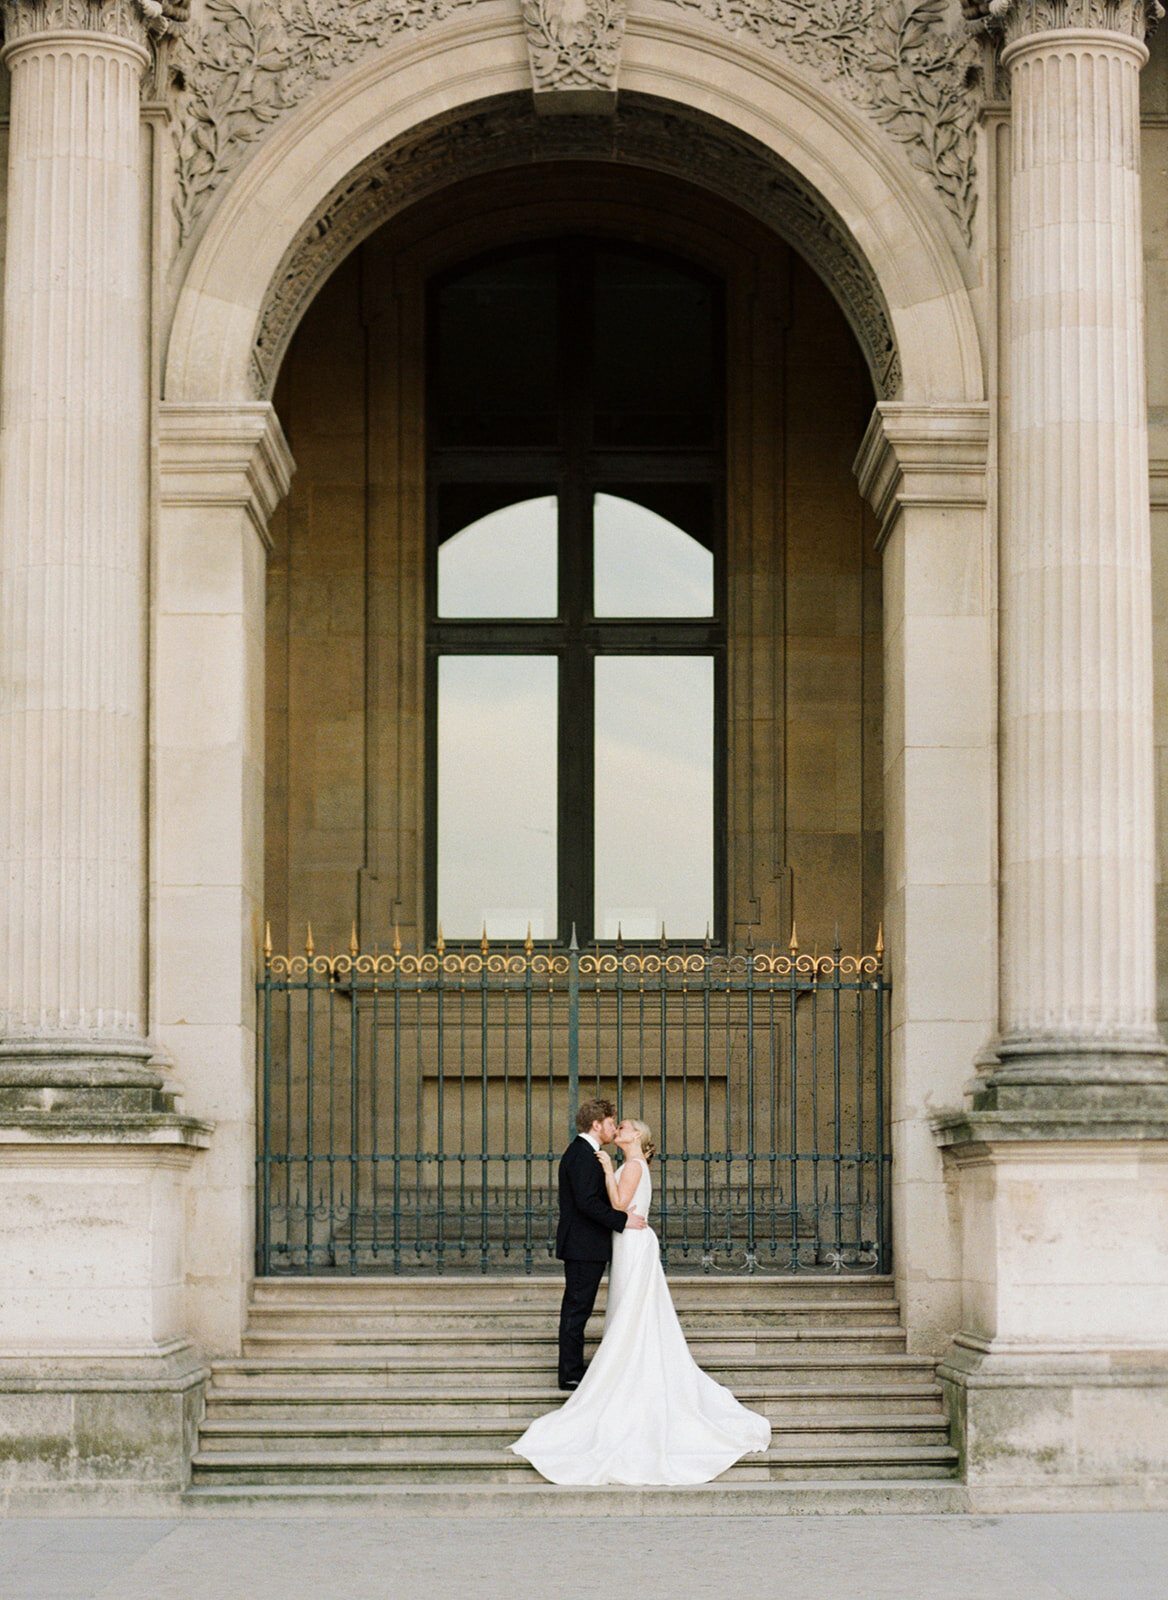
(1078, 845)
(1057, 1379)
(72, 549)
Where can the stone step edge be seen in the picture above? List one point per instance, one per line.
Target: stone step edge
(465, 1460)
(276, 1368)
(283, 1427)
(319, 1282)
(535, 1395)
(391, 1337)
(874, 1361)
(772, 1497)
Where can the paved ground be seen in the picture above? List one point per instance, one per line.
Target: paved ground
(1057, 1557)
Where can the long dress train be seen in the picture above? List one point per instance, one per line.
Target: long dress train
(645, 1412)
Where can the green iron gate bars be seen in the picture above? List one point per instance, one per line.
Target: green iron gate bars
(414, 1105)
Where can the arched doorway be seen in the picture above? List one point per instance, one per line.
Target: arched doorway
(224, 467)
(574, 628)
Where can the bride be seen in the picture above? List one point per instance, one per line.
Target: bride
(645, 1412)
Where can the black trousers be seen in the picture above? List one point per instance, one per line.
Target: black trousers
(581, 1281)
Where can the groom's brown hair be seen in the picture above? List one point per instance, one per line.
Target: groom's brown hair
(591, 1111)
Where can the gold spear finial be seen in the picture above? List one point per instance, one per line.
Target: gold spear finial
(354, 947)
(486, 945)
(267, 941)
(880, 941)
(441, 945)
(528, 944)
(309, 947)
(397, 944)
(794, 939)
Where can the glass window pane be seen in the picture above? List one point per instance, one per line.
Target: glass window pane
(503, 564)
(654, 350)
(654, 796)
(646, 566)
(497, 796)
(497, 368)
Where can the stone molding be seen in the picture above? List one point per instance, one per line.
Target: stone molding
(643, 132)
(1031, 1132)
(135, 20)
(575, 50)
(1012, 21)
(925, 456)
(224, 455)
(903, 65)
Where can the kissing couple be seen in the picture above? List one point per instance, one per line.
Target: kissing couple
(643, 1412)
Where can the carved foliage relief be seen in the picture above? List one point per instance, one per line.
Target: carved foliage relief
(902, 62)
(642, 133)
(252, 61)
(575, 44)
(1015, 19)
(129, 19)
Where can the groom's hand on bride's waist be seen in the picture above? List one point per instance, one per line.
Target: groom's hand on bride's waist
(636, 1221)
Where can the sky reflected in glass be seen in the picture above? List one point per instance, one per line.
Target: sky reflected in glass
(654, 796)
(644, 566)
(503, 565)
(497, 796)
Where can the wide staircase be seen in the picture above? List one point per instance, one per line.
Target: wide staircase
(408, 1390)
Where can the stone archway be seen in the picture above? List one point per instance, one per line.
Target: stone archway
(883, 239)
(900, 227)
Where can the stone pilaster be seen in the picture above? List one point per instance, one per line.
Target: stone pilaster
(72, 550)
(1078, 942)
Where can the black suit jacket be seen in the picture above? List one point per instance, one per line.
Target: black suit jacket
(587, 1221)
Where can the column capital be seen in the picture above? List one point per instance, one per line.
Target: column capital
(1013, 21)
(133, 20)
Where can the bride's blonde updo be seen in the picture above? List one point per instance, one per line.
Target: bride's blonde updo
(645, 1135)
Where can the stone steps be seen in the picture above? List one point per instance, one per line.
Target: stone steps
(448, 1345)
(502, 1371)
(419, 1464)
(335, 1404)
(426, 1293)
(411, 1386)
(515, 1498)
(369, 1322)
(402, 1433)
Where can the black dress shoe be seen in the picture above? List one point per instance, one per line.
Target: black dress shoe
(569, 1383)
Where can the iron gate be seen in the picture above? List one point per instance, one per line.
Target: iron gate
(414, 1106)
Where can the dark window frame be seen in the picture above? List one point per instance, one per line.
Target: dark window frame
(574, 471)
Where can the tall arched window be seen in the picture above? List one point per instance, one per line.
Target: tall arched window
(576, 610)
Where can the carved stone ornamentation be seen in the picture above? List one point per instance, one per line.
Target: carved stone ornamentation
(136, 20)
(1012, 20)
(901, 62)
(254, 61)
(575, 48)
(644, 133)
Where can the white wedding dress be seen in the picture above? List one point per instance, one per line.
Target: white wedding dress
(645, 1412)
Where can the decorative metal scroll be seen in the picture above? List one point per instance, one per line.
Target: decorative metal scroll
(414, 1104)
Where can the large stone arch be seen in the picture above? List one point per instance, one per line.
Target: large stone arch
(896, 228)
(240, 286)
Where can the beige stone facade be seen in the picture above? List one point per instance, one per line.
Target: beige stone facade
(943, 240)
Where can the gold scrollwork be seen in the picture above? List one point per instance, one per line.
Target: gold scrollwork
(593, 966)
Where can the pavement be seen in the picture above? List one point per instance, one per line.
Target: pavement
(1107, 1556)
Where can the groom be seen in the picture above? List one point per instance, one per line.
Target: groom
(584, 1235)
